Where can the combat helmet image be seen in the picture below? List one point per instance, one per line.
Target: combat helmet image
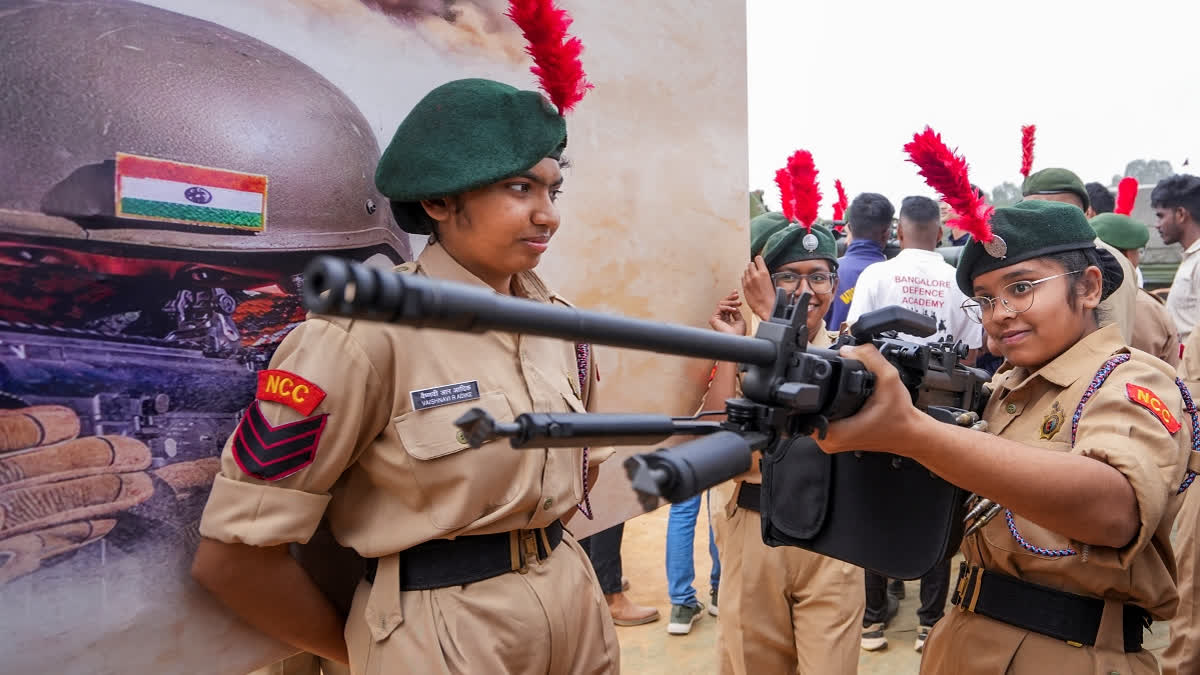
(133, 128)
(158, 166)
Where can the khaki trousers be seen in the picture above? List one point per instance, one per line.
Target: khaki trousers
(963, 642)
(1182, 656)
(784, 609)
(552, 620)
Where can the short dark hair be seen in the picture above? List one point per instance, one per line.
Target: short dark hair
(1178, 190)
(1101, 199)
(920, 210)
(870, 216)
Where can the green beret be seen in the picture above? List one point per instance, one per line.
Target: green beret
(1120, 232)
(1031, 230)
(761, 229)
(787, 246)
(464, 135)
(1055, 181)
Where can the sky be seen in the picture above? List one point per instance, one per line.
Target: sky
(852, 81)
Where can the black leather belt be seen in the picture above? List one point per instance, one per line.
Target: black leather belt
(1065, 616)
(750, 497)
(439, 563)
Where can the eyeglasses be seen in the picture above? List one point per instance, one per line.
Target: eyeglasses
(1016, 297)
(818, 282)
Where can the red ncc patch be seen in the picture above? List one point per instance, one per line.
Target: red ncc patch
(1147, 399)
(289, 389)
(271, 453)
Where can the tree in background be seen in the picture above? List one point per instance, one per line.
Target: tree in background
(1006, 194)
(1147, 171)
(757, 208)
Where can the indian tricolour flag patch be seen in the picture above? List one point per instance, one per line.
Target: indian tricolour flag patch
(159, 189)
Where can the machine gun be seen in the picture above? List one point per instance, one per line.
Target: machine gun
(876, 510)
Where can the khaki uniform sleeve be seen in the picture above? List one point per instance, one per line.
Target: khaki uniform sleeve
(1189, 365)
(1132, 439)
(270, 490)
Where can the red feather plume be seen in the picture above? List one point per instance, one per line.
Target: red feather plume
(555, 54)
(1027, 137)
(946, 172)
(1127, 191)
(839, 207)
(805, 191)
(787, 203)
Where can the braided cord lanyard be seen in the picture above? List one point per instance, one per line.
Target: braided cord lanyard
(1191, 408)
(582, 352)
(1100, 377)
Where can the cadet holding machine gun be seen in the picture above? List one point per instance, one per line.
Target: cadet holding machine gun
(1090, 454)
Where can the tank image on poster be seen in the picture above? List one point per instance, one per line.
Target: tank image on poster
(167, 170)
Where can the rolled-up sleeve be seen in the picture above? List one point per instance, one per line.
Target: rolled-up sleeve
(1121, 428)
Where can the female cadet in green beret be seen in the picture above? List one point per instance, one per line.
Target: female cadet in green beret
(783, 610)
(1088, 446)
(469, 567)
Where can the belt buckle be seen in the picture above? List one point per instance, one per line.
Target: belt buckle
(528, 549)
(969, 579)
(960, 586)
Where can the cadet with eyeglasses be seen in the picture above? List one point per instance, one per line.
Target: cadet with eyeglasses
(1088, 447)
(783, 610)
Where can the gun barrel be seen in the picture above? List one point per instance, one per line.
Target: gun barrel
(345, 288)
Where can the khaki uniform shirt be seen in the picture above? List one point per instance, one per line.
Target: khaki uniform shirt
(1037, 409)
(1115, 430)
(389, 476)
(1120, 307)
(1153, 332)
(1183, 302)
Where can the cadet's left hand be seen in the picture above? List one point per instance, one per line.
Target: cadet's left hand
(888, 421)
(758, 288)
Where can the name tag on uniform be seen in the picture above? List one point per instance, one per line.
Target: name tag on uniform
(444, 395)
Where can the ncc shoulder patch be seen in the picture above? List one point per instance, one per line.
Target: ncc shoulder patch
(1147, 399)
(270, 452)
(290, 389)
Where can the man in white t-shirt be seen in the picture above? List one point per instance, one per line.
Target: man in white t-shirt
(918, 279)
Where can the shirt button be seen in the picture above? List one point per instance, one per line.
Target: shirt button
(1010, 408)
(460, 437)
(548, 503)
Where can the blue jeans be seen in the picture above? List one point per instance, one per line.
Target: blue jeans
(681, 537)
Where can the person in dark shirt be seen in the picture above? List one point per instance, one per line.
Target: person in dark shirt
(870, 223)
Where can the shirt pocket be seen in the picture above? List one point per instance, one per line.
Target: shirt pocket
(460, 484)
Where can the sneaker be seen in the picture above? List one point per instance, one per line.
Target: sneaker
(922, 636)
(873, 638)
(712, 606)
(896, 588)
(683, 617)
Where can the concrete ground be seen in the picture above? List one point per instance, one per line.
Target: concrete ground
(649, 650)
